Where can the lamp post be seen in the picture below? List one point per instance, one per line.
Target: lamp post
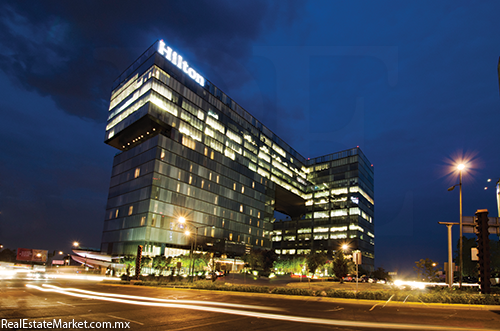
(460, 168)
(76, 244)
(183, 220)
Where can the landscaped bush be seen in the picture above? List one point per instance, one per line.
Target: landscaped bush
(292, 291)
(208, 285)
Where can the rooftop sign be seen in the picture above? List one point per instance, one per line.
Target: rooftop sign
(177, 60)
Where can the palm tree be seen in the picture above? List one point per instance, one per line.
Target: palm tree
(129, 262)
(161, 262)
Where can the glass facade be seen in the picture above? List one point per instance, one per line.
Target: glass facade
(188, 150)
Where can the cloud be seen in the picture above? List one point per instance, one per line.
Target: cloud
(56, 49)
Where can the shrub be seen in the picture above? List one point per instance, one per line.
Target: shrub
(293, 291)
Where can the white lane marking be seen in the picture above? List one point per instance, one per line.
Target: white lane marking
(121, 318)
(66, 304)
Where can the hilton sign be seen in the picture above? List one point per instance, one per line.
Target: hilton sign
(177, 60)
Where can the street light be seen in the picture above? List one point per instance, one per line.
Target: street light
(183, 220)
(76, 244)
(460, 168)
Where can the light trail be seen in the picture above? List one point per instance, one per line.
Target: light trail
(81, 277)
(134, 297)
(286, 318)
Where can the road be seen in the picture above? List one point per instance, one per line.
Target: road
(147, 308)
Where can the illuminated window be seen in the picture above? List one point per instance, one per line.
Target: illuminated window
(212, 155)
(143, 220)
(253, 184)
(217, 180)
(212, 233)
(231, 236)
(216, 200)
(241, 208)
(234, 186)
(262, 242)
(339, 191)
(130, 210)
(110, 215)
(116, 214)
(338, 228)
(189, 191)
(210, 176)
(202, 183)
(178, 187)
(250, 230)
(190, 179)
(188, 142)
(206, 151)
(162, 156)
(339, 212)
(258, 215)
(242, 189)
(137, 172)
(354, 211)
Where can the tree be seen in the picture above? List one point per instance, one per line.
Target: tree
(315, 260)
(129, 262)
(161, 262)
(380, 273)
(470, 267)
(340, 265)
(268, 259)
(290, 265)
(201, 260)
(427, 269)
(8, 255)
(253, 260)
(146, 262)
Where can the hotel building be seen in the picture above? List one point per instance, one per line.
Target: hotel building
(187, 150)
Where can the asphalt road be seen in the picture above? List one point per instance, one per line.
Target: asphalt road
(147, 308)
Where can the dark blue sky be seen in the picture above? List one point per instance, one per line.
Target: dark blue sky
(414, 84)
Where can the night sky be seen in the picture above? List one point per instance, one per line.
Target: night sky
(414, 84)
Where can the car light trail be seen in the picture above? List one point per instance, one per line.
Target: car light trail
(133, 297)
(286, 318)
(81, 277)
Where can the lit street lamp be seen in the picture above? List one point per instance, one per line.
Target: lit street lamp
(76, 244)
(182, 220)
(460, 167)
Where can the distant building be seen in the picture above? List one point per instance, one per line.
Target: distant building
(187, 150)
(338, 209)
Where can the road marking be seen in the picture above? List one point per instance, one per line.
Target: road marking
(121, 318)
(207, 324)
(383, 305)
(66, 304)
